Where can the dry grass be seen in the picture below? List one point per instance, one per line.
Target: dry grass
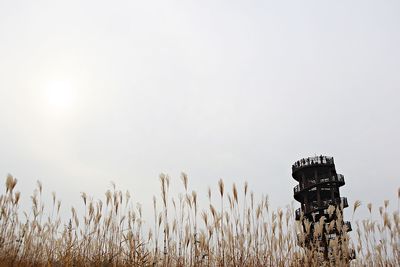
(233, 231)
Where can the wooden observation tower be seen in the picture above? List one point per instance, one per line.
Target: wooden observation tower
(321, 204)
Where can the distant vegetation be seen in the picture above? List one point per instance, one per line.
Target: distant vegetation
(234, 230)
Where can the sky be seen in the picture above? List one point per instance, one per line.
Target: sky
(100, 91)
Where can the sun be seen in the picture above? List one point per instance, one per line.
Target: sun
(60, 95)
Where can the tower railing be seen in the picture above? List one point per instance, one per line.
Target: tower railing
(312, 161)
(312, 182)
(314, 205)
(341, 202)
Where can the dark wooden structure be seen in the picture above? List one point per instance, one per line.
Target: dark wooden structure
(318, 189)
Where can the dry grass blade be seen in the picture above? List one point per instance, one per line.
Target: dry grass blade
(246, 233)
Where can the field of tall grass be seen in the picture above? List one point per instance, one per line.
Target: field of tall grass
(234, 229)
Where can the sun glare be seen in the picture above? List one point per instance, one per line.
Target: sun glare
(60, 95)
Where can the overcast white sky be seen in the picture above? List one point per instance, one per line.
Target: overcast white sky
(94, 91)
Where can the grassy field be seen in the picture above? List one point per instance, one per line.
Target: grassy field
(235, 230)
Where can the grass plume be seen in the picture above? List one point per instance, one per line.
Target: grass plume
(245, 232)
